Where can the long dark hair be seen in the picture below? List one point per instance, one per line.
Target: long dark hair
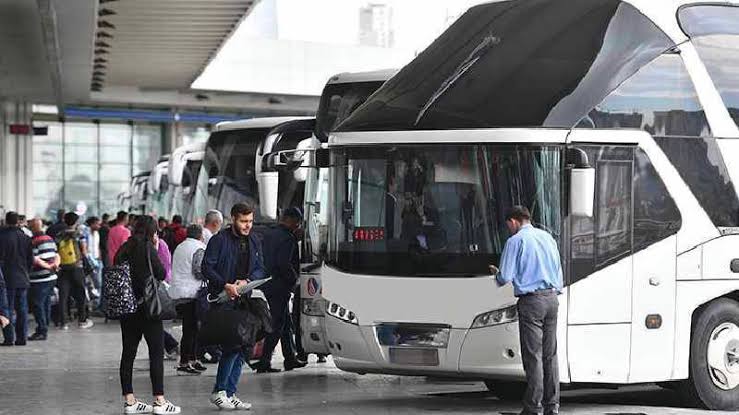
(145, 228)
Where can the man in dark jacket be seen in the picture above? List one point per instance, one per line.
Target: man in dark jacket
(59, 226)
(16, 257)
(232, 258)
(282, 262)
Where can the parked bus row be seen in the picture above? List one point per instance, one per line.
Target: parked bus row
(615, 122)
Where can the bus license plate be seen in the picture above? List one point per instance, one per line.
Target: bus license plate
(414, 357)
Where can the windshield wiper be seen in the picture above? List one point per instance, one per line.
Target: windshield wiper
(485, 45)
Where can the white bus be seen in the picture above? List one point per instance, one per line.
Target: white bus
(615, 122)
(137, 193)
(184, 166)
(342, 94)
(159, 195)
(227, 175)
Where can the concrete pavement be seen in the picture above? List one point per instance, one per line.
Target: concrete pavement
(76, 372)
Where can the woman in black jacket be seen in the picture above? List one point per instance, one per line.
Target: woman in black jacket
(140, 251)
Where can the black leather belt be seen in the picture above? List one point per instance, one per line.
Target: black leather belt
(547, 291)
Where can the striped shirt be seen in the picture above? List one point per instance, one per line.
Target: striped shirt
(44, 248)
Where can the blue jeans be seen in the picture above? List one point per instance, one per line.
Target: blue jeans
(229, 371)
(41, 294)
(4, 301)
(17, 330)
(97, 282)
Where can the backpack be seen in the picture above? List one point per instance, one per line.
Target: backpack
(69, 251)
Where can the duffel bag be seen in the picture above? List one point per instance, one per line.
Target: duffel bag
(225, 326)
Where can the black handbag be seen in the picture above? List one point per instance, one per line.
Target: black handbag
(201, 302)
(157, 303)
(225, 326)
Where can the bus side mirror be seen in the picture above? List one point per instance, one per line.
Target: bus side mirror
(582, 191)
(323, 158)
(268, 184)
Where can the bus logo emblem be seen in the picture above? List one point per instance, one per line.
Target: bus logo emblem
(312, 286)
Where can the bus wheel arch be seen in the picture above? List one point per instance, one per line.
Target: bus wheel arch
(713, 380)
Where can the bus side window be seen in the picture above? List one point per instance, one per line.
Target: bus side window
(655, 214)
(606, 237)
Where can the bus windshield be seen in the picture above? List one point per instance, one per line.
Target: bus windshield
(228, 174)
(189, 187)
(437, 210)
(338, 101)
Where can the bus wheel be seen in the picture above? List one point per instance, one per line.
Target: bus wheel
(506, 391)
(714, 357)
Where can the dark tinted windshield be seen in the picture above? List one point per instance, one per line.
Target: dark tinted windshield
(190, 174)
(230, 170)
(516, 64)
(338, 101)
(436, 210)
(291, 190)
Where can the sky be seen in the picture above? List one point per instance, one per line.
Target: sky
(294, 46)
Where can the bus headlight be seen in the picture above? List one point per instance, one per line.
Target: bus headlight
(496, 317)
(342, 313)
(313, 307)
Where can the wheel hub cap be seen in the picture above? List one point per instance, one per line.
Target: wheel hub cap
(723, 356)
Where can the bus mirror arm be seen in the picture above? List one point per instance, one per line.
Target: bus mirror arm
(291, 160)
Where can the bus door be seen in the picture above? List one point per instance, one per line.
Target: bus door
(599, 263)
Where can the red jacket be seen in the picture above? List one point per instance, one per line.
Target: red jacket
(179, 234)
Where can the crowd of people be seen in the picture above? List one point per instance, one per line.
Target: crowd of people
(60, 268)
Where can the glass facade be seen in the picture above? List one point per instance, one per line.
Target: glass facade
(86, 164)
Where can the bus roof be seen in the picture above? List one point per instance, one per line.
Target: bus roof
(354, 77)
(266, 122)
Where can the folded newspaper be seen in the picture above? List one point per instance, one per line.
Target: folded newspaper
(252, 285)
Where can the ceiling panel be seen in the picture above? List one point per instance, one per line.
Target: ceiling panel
(163, 43)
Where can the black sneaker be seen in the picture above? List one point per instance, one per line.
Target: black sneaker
(37, 336)
(199, 366)
(265, 369)
(321, 358)
(294, 364)
(187, 370)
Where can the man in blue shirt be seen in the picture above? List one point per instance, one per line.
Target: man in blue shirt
(531, 261)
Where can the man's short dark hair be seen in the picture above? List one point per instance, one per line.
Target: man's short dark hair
(91, 220)
(70, 218)
(519, 213)
(292, 213)
(106, 217)
(241, 209)
(121, 216)
(11, 218)
(177, 219)
(195, 231)
(21, 217)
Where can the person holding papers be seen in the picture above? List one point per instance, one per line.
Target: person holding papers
(233, 258)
